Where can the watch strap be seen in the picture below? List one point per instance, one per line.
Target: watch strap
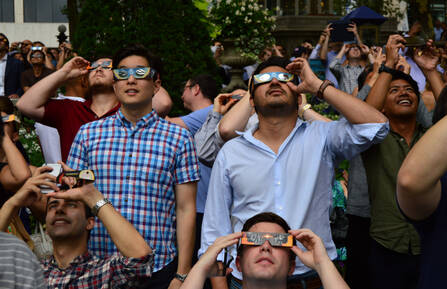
(323, 87)
(181, 277)
(99, 204)
(386, 69)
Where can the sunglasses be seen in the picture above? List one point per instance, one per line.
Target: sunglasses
(10, 118)
(107, 65)
(268, 76)
(137, 72)
(259, 238)
(37, 56)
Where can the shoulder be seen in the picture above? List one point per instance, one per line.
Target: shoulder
(10, 60)
(11, 245)
(170, 129)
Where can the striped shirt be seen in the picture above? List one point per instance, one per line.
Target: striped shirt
(19, 267)
(136, 168)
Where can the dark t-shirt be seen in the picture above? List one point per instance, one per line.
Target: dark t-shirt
(28, 78)
(433, 233)
(67, 116)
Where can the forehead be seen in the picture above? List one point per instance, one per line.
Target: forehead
(399, 83)
(267, 227)
(27, 42)
(133, 61)
(273, 69)
(101, 60)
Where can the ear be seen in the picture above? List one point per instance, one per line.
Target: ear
(196, 89)
(90, 223)
(238, 263)
(157, 85)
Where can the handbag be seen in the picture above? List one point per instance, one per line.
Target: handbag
(43, 246)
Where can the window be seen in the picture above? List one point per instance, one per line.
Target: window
(7, 11)
(44, 11)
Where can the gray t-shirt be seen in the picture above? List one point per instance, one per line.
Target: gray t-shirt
(19, 267)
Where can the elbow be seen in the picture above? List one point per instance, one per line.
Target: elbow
(225, 132)
(406, 181)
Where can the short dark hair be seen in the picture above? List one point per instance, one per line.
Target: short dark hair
(38, 42)
(7, 40)
(397, 74)
(272, 61)
(267, 217)
(138, 50)
(207, 83)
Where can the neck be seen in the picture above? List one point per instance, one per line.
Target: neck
(205, 102)
(273, 130)
(74, 91)
(354, 61)
(37, 69)
(263, 284)
(103, 102)
(135, 112)
(404, 127)
(65, 251)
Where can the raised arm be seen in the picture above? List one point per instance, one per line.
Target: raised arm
(17, 171)
(418, 183)
(377, 95)
(28, 194)
(126, 238)
(32, 103)
(353, 28)
(354, 110)
(325, 44)
(162, 102)
(236, 119)
(427, 61)
(315, 257)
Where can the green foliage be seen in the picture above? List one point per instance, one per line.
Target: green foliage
(174, 30)
(244, 21)
(30, 141)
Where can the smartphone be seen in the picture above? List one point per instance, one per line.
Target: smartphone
(57, 169)
(236, 96)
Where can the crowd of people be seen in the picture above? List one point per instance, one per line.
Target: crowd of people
(246, 190)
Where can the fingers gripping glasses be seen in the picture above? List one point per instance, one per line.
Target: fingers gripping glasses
(259, 238)
(268, 76)
(105, 65)
(137, 72)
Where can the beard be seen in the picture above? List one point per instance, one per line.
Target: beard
(276, 109)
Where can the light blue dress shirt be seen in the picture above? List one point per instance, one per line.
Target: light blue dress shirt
(249, 178)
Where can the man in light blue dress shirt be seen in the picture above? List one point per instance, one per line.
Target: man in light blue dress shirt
(285, 165)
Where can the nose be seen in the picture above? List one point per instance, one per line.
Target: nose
(131, 79)
(266, 247)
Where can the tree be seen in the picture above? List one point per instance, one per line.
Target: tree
(175, 30)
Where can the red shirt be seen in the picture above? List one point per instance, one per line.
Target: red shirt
(67, 116)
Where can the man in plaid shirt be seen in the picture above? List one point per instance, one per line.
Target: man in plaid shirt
(69, 219)
(146, 166)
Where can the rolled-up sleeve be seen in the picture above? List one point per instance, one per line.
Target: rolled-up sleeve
(206, 138)
(336, 68)
(346, 140)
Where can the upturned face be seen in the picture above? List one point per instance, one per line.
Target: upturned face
(401, 100)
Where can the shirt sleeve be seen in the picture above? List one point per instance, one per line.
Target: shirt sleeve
(194, 120)
(335, 67)
(206, 139)
(345, 140)
(77, 158)
(126, 269)
(186, 164)
(216, 220)
(315, 51)
(423, 116)
(363, 92)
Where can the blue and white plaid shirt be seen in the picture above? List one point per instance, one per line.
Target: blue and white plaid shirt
(137, 168)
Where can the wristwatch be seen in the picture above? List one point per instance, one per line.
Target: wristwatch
(323, 87)
(99, 205)
(386, 69)
(180, 277)
(303, 109)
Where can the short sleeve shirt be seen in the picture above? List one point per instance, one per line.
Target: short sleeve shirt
(67, 116)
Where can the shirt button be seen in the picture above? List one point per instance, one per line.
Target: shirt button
(402, 139)
(130, 155)
(280, 207)
(128, 177)
(278, 183)
(125, 200)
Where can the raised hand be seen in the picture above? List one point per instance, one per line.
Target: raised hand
(394, 43)
(75, 67)
(315, 253)
(427, 58)
(403, 65)
(310, 83)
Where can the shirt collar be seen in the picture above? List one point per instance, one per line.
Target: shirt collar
(145, 121)
(248, 134)
(78, 260)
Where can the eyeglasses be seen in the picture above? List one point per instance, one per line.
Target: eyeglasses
(3, 40)
(10, 118)
(107, 65)
(137, 72)
(37, 56)
(268, 76)
(259, 238)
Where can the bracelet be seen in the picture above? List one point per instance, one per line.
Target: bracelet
(303, 109)
(323, 87)
(99, 204)
(180, 277)
(386, 69)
